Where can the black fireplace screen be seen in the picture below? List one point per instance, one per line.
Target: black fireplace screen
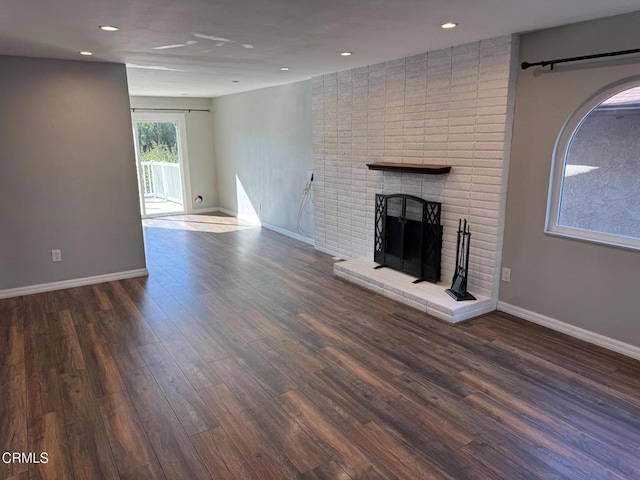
(408, 235)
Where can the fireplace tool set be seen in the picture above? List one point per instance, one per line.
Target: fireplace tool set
(458, 289)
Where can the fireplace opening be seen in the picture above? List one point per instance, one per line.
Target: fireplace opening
(408, 236)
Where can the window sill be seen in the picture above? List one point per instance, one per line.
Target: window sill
(595, 238)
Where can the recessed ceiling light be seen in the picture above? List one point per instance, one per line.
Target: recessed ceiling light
(346, 54)
(235, 81)
(284, 69)
(109, 28)
(86, 53)
(449, 25)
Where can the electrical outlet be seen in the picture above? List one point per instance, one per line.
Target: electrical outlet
(56, 256)
(506, 275)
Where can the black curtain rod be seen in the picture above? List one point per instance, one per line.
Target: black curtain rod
(189, 110)
(545, 63)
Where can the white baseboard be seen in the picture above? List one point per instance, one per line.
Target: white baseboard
(255, 221)
(327, 251)
(75, 282)
(289, 234)
(197, 211)
(571, 330)
(266, 225)
(231, 213)
(215, 209)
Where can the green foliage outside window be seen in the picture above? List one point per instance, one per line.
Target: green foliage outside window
(158, 142)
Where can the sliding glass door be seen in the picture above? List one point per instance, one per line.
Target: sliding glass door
(161, 160)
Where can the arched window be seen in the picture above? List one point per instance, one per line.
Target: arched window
(594, 191)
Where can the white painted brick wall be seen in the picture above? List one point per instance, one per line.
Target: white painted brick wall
(449, 107)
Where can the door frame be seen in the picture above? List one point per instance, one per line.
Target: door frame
(180, 119)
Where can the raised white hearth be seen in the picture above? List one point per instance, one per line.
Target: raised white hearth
(427, 297)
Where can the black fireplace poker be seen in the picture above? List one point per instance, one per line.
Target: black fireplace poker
(458, 290)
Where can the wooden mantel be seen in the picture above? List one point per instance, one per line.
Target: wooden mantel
(410, 168)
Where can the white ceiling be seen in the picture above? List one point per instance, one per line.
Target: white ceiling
(249, 40)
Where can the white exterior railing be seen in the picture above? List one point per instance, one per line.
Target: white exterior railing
(162, 180)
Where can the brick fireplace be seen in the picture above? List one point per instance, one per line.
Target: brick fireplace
(446, 107)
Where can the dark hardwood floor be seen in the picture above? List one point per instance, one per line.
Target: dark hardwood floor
(243, 357)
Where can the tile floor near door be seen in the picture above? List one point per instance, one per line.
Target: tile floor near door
(243, 357)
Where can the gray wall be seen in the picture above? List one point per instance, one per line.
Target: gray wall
(199, 126)
(591, 286)
(263, 145)
(67, 172)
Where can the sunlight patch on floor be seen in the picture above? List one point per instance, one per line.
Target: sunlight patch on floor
(215, 223)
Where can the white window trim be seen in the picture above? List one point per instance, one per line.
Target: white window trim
(560, 151)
